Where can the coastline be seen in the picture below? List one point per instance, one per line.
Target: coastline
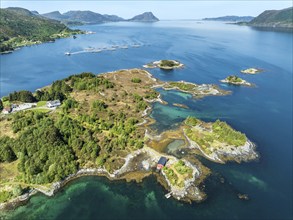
(147, 157)
(242, 83)
(29, 43)
(200, 91)
(124, 173)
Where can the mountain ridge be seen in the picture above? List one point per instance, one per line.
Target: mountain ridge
(274, 18)
(90, 17)
(231, 18)
(21, 27)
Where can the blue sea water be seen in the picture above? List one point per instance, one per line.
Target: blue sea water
(210, 52)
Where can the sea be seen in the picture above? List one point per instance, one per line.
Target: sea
(210, 52)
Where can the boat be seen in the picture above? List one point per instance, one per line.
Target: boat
(67, 53)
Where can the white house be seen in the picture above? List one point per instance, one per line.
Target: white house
(53, 104)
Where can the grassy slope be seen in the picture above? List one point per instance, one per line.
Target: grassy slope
(271, 18)
(19, 25)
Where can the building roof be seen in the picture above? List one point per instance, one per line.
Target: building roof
(162, 160)
(54, 102)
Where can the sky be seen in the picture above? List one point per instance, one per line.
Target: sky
(162, 9)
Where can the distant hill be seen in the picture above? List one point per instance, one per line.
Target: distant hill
(274, 18)
(231, 18)
(89, 17)
(145, 17)
(56, 15)
(21, 27)
(35, 12)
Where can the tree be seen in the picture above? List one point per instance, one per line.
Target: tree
(1, 105)
(23, 96)
(136, 80)
(6, 152)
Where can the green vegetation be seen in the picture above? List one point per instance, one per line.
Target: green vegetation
(210, 135)
(61, 88)
(89, 81)
(177, 173)
(191, 121)
(1, 105)
(182, 169)
(5, 196)
(58, 90)
(274, 18)
(6, 150)
(99, 105)
(22, 96)
(41, 103)
(136, 80)
(87, 131)
(234, 79)
(168, 63)
(20, 27)
(172, 177)
(227, 134)
(183, 86)
(152, 94)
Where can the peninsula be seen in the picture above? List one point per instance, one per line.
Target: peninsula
(99, 125)
(235, 80)
(279, 20)
(21, 27)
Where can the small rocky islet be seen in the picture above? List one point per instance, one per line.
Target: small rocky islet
(164, 64)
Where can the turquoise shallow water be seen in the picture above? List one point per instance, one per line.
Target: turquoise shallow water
(210, 52)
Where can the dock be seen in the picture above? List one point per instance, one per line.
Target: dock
(168, 195)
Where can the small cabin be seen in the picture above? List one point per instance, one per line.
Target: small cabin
(53, 104)
(161, 163)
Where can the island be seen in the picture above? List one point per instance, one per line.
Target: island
(251, 71)
(89, 124)
(164, 64)
(180, 105)
(235, 80)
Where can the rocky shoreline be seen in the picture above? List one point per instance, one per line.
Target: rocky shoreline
(243, 83)
(244, 153)
(199, 91)
(173, 64)
(150, 157)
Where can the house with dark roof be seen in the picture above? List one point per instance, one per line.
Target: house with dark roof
(161, 163)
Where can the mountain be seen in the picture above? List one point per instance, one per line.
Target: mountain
(82, 17)
(56, 15)
(21, 27)
(89, 17)
(274, 18)
(35, 12)
(145, 17)
(231, 18)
